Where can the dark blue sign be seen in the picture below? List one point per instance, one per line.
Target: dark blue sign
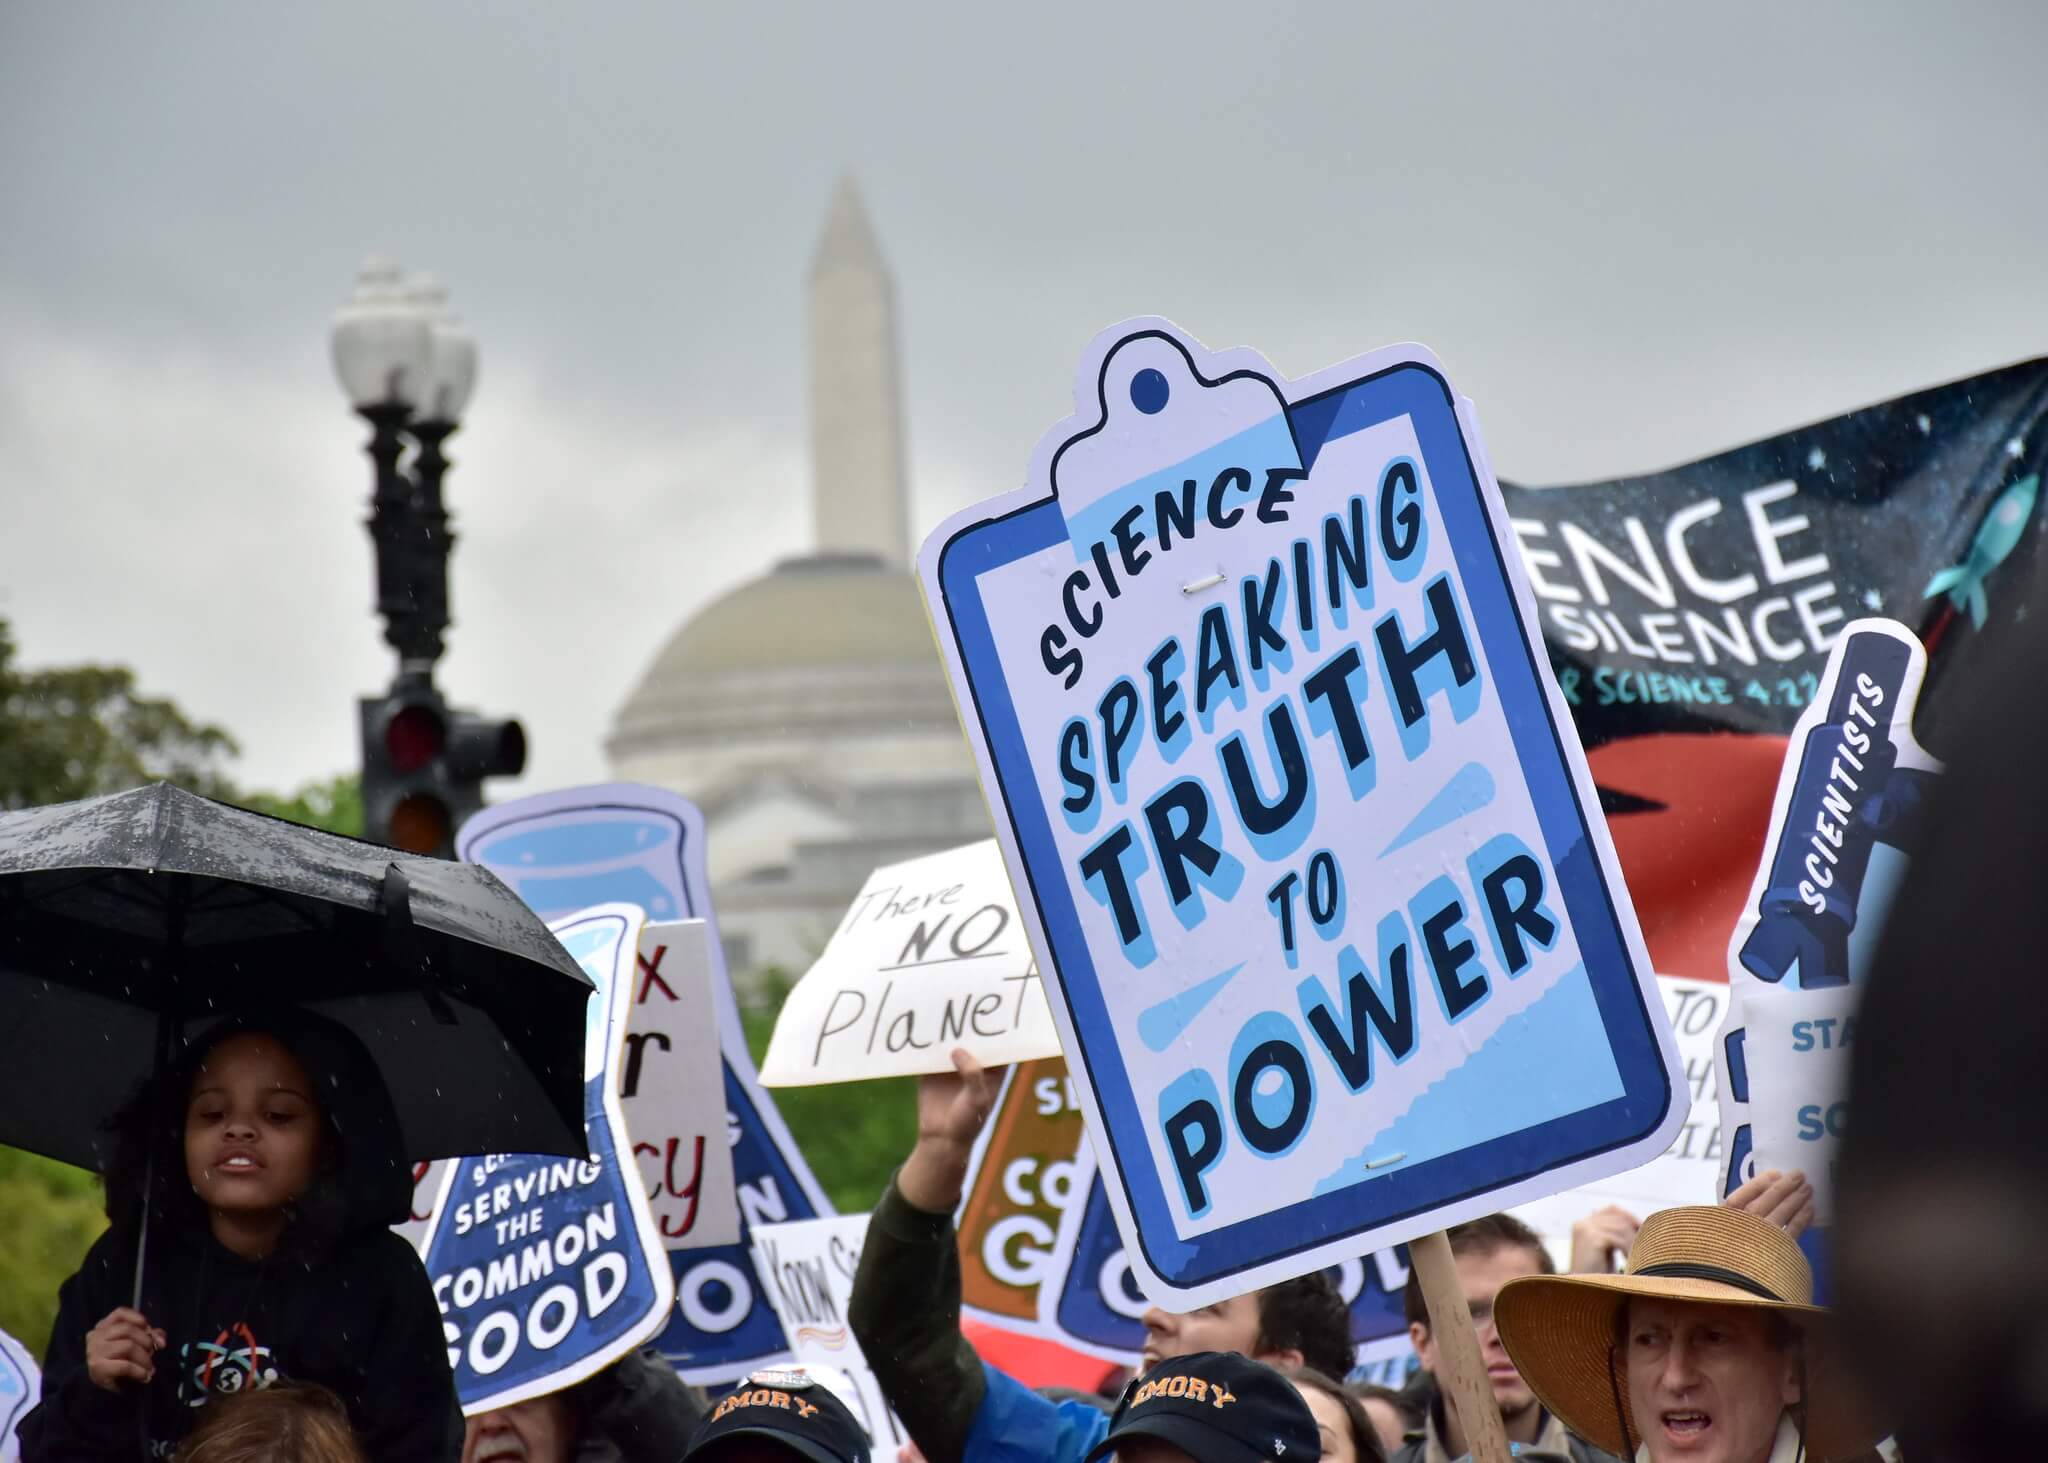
(1848, 795)
(547, 1269)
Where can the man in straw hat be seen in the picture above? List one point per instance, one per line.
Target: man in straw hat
(1699, 1352)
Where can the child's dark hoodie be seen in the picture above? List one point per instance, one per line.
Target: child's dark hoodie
(342, 1301)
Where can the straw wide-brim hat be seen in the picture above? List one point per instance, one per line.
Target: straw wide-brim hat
(1560, 1329)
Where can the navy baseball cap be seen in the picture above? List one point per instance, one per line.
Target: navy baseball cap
(1217, 1407)
(790, 1406)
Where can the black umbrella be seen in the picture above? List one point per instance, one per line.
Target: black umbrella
(128, 922)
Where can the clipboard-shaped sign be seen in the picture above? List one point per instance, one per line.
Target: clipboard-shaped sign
(1334, 934)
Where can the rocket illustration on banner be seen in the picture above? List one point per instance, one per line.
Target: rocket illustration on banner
(2000, 532)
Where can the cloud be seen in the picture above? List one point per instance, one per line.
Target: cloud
(200, 517)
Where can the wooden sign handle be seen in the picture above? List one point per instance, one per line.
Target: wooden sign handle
(1460, 1375)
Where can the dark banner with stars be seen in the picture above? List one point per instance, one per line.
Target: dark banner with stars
(1689, 613)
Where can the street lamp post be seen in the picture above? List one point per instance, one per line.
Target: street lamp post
(408, 368)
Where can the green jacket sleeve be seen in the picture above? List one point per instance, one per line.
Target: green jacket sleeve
(905, 1313)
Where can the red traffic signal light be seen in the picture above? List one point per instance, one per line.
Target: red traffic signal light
(424, 765)
(414, 737)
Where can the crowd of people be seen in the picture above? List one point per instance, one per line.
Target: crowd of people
(1701, 1347)
(1702, 1338)
(281, 1318)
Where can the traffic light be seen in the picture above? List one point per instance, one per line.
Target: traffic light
(478, 747)
(424, 766)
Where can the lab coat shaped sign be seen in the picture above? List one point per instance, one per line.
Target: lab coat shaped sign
(1306, 842)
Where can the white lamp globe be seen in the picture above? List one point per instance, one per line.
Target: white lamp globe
(382, 341)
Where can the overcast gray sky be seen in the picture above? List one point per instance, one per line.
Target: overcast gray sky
(1635, 234)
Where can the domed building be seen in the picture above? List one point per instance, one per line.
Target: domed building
(806, 711)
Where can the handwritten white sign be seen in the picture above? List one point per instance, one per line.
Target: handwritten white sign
(808, 1268)
(673, 1089)
(931, 956)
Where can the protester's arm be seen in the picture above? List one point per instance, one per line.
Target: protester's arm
(78, 1420)
(905, 1307)
(1016, 1425)
(641, 1408)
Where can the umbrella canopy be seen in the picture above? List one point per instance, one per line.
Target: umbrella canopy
(130, 920)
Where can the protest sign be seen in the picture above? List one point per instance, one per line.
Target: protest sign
(1020, 1181)
(1689, 614)
(1239, 666)
(642, 845)
(1797, 1042)
(1847, 804)
(931, 956)
(1689, 1171)
(21, 1383)
(1094, 1307)
(1089, 1298)
(547, 1270)
(809, 1267)
(427, 1177)
(673, 1091)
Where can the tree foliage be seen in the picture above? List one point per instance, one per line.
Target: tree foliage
(79, 731)
(852, 1134)
(51, 1213)
(335, 804)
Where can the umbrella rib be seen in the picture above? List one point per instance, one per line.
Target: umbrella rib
(226, 895)
(113, 880)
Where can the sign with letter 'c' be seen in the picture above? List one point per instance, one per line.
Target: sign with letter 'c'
(561, 851)
(1021, 1177)
(1295, 814)
(673, 1090)
(549, 1269)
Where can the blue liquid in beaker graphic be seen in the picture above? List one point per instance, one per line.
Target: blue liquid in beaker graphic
(562, 862)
